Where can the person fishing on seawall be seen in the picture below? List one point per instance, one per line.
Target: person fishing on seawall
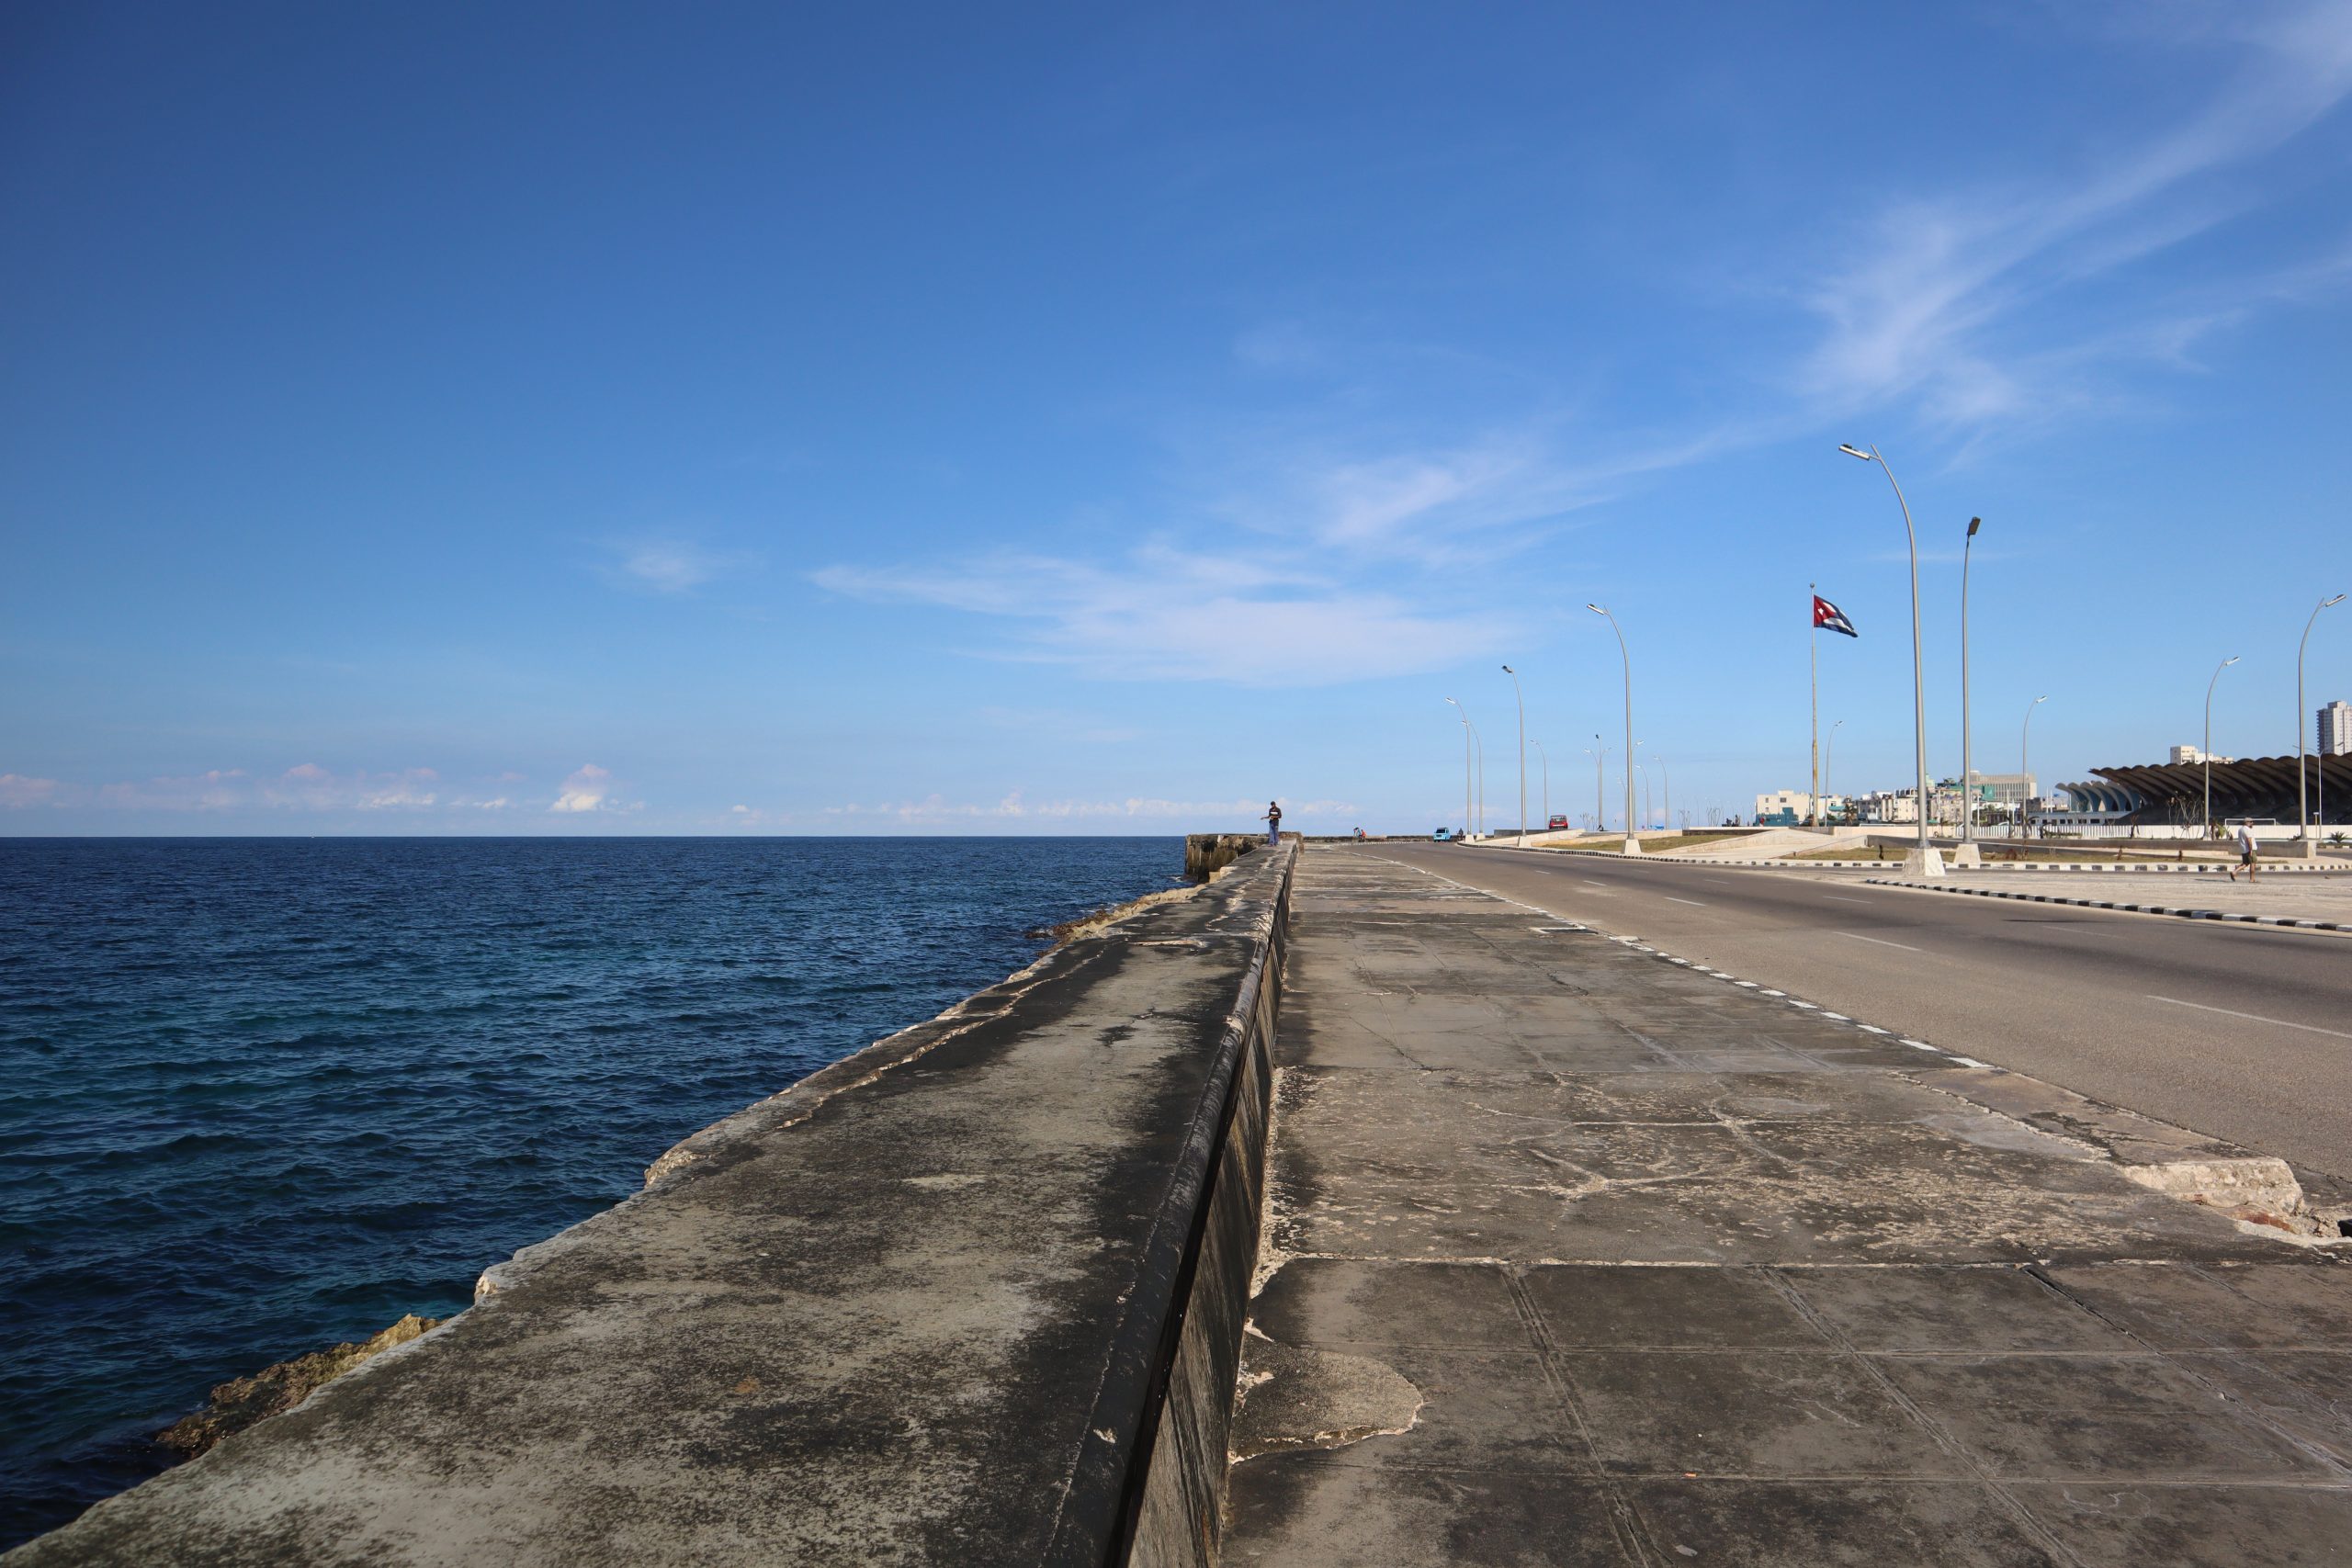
(1273, 823)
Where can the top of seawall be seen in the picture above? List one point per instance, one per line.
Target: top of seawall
(906, 1312)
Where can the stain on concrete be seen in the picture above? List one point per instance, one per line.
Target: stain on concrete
(1293, 1398)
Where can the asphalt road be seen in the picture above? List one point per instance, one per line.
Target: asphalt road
(2237, 1031)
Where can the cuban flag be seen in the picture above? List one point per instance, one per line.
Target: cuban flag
(1825, 614)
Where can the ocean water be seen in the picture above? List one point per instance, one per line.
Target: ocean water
(261, 1096)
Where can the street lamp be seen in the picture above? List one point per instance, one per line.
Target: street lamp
(1633, 840)
(1827, 749)
(1466, 763)
(2025, 768)
(1599, 755)
(1522, 753)
(1967, 780)
(1546, 761)
(1929, 863)
(1666, 792)
(2302, 776)
(1643, 766)
(2224, 664)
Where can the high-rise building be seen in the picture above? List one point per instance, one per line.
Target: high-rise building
(2336, 730)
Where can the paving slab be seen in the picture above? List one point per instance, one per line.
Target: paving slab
(1682, 1272)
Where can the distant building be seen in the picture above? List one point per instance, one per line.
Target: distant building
(2000, 789)
(2190, 756)
(2336, 730)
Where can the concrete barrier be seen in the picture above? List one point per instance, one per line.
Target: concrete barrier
(972, 1295)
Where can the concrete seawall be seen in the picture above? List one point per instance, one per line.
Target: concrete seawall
(972, 1295)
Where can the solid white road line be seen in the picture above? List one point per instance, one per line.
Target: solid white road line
(1692, 902)
(2252, 1016)
(1881, 942)
(1836, 898)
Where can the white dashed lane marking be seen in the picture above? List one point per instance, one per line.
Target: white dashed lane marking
(2252, 1017)
(1881, 940)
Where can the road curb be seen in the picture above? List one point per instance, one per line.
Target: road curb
(2222, 915)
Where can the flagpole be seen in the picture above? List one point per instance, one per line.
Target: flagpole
(1813, 615)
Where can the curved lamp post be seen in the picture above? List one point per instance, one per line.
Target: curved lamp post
(1466, 765)
(1546, 761)
(1523, 752)
(1641, 763)
(1665, 793)
(1930, 863)
(1599, 755)
(2224, 664)
(1967, 780)
(1633, 841)
(2302, 774)
(2025, 768)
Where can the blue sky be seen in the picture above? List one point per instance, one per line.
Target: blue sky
(881, 418)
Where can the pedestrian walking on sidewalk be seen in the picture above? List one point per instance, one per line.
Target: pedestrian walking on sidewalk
(1273, 823)
(2245, 851)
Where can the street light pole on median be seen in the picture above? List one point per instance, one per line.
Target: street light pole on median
(1633, 840)
(1522, 699)
(1599, 755)
(2224, 664)
(2302, 774)
(1967, 780)
(1466, 765)
(1546, 761)
(1828, 746)
(1929, 863)
(2025, 766)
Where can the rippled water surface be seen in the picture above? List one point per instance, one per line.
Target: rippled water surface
(262, 1095)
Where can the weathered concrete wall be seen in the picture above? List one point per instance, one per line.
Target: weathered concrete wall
(1181, 1502)
(918, 1309)
(1205, 854)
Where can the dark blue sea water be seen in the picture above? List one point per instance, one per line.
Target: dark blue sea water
(261, 1096)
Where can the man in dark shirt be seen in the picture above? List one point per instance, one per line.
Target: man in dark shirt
(1274, 822)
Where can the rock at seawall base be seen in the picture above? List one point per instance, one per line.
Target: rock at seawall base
(239, 1402)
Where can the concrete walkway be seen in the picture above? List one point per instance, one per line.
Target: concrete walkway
(1576, 1257)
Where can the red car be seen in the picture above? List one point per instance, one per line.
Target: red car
(1557, 824)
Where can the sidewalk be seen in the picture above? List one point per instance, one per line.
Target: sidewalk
(2325, 902)
(1576, 1257)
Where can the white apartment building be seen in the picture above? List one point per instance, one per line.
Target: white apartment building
(2336, 730)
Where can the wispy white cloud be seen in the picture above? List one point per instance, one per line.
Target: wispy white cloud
(590, 788)
(1162, 614)
(17, 790)
(217, 790)
(1923, 310)
(670, 566)
(1014, 807)
(310, 787)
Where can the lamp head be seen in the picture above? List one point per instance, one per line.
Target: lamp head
(1509, 671)
(1855, 452)
(2038, 701)
(2233, 658)
(2325, 603)
(1975, 523)
(1596, 609)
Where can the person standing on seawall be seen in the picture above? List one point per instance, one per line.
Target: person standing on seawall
(1273, 823)
(2245, 851)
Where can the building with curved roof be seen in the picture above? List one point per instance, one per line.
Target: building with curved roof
(2249, 787)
